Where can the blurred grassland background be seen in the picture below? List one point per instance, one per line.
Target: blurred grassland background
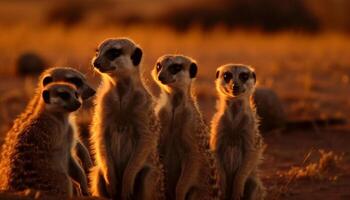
(299, 48)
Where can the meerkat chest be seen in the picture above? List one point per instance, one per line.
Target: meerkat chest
(61, 147)
(60, 136)
(175, 130)
(232, 140)
(124, 110)
(179, 120)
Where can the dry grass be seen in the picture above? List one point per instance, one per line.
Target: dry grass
(326, 168)
(310, 72)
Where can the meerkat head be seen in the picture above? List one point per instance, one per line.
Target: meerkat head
(117, 57)
(235, 80)
(69, 75)
(174, 71)
(61, 97)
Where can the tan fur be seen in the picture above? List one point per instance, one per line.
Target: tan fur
(235, 136)
(125, 129)
(57, 74)
(189, 165)
(39, 151)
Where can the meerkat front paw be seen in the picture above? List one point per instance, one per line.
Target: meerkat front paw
(128, 185)
(238, 189)
(180, 193)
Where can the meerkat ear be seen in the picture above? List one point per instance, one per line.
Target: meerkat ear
(136, 56)
(46, 96)
(193, 70)
(47, 80)
(217, 74)
(254, 76)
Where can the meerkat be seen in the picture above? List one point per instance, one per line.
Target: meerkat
(125, 130)
(235, 136)
(79, 151)
(39, 154)
(189, 165)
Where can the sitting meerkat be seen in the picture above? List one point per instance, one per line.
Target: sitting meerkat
(189, 165)
(39, 153)
(79, 151)
(235, 136)
(125, 130)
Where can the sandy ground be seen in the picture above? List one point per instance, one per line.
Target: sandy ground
(287, 149)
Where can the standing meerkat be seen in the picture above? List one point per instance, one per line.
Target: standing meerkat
(39, 152)
(125, 128)
(189, 165)
(79, 151)
(235, 136)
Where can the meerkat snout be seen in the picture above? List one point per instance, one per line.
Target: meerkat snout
(234, 80)
(61, 97)
(117, 55)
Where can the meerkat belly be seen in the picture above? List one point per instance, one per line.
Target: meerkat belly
(231, 154)
(122, 148)
(59, 159)
(60, 153)
(172, 153)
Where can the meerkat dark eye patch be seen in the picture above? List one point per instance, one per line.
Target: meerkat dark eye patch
(193, 70)
(47, 80)
(113, 53)
(158, 67)
(76, 95)
(175, 68)
(76, 81)
(227, 76)
(244, 76)
(64, 95)
(46, 96)
(136, 56)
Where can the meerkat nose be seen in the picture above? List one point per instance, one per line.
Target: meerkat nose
(97, 64)
(161, 79)
(235, 87)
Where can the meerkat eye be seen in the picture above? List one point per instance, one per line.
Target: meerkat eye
(175, 68)
(64, 95)
(113, 53)
(158, 67)
(47, 80)
(244, 76)
(227, 76)
(76, 81)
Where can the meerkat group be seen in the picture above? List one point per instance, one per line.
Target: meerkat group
(143, 147)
